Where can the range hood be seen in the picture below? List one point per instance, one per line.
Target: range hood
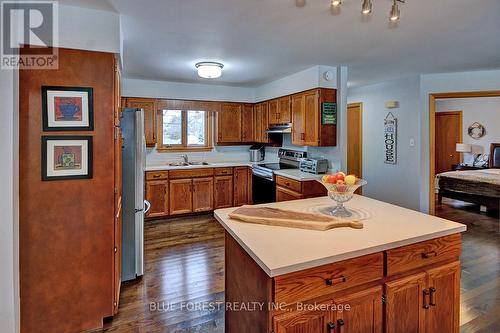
(280, 128)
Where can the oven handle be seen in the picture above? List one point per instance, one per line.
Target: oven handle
(261, 174)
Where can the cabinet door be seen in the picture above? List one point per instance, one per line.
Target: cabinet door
(364, 315)
(157, 195)
(311, 118)
(284, 112)
(284, 194)
(301, 322)
(181, 196)
(149, 107)
(404, 311)
(247, 123)
(203, 194)
(241, 186)
(298, 119)
(273, 111)
(444, 298)
(264, 122)
(223, 193)
(229, 123)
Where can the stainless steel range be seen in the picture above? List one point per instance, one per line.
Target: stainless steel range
(263, 179)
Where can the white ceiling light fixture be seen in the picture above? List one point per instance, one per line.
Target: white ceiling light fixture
(367, 7)
(209, 69)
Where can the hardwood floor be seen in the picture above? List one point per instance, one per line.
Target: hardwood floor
(480, 281)
(184, 266)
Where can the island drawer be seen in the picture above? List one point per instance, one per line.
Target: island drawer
(156, 175)
(191, 173)
(327, 279)
(290, 184)
(223, 171)
(422, 254)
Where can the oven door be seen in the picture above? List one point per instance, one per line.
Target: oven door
(263, 189)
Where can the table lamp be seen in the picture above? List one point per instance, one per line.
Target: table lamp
(463, 148)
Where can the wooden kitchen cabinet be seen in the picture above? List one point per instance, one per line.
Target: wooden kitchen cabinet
(291, 189)
(307, 127)
(229, 129)
(180, 196)
(261, 122)
(247, 123)
(365, 314)
(149, 107)
(242, 179)
(284, 110)
(157, 195)
(223, 193)
(203, 200)
(305, 321)
(273, 112)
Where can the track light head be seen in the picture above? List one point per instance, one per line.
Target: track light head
(336, 3)
(395, 14)
(367, 7)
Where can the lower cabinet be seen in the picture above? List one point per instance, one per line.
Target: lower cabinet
(180, 194)
(223, 194)
(319, 321)
(291, 189)
(185, 191)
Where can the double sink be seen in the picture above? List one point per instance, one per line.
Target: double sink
(186, 163)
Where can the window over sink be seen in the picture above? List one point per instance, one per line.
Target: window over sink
(185, 130)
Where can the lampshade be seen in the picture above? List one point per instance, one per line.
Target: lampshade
(463, 148)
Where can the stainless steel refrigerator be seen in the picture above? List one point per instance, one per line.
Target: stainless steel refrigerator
(133, 204)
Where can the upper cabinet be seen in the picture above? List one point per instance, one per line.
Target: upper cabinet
(247, 123)
(280, 110)
(229, 123)
(149, 107)
(314, 118)
(261, 122)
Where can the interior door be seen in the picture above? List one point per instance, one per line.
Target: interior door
(444, 298)
(448, 134)
(404, 311)
(203, 194)
(355, 141)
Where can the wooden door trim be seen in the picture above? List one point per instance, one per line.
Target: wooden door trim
(360, 106)
(432, 132)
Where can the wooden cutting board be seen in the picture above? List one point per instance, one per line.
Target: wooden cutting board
(292, 219)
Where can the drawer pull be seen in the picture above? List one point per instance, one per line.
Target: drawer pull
(427, 255)
(331, 282)
(156, 176)
(330, 327)
(287, 183)
(426, 293)
(432, 302)
(341, 323)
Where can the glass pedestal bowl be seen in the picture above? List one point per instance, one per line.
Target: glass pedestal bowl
(341, 193)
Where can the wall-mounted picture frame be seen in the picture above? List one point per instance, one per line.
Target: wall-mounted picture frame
(67, 108)
(66, 157)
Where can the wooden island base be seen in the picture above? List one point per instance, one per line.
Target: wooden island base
(414, 288)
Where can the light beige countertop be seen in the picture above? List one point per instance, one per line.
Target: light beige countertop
(297, 174)
(280, 250)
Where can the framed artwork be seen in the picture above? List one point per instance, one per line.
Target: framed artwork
(67, 109)
(66, 157)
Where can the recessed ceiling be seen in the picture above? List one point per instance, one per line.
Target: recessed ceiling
(259, 41)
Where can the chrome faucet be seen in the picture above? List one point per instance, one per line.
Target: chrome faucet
(185, 158)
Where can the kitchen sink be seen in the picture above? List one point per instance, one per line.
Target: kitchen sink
(186, 164)
(197, 163)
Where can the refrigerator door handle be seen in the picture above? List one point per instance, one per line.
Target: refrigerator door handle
(148, 206)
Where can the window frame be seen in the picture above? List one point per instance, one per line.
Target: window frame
(184, 147)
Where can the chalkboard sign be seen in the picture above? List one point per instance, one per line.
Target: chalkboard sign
(391, 139)
(329, 114)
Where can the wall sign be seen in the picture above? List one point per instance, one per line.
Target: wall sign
(391, 139)
(329, 114)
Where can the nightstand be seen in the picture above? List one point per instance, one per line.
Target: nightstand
(458, 167)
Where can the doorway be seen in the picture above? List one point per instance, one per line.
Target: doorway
(448, 133)
(355, 140)
(432, 133)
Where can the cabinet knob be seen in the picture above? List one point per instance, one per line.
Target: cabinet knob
(340, 323)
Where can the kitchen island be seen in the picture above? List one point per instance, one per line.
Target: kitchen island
(400, 272)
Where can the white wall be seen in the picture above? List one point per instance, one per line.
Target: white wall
(450, 82)
(190, 91)
(484, 110)
(9, 201)
(397, 184)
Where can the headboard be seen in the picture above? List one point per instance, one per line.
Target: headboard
(495, 155)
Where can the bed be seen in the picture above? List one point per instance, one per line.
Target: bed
(481, 187)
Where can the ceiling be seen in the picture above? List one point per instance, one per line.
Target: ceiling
(262, 40)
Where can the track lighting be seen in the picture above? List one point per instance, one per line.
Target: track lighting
(367, 7)
(336, 3)
(394, 14)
